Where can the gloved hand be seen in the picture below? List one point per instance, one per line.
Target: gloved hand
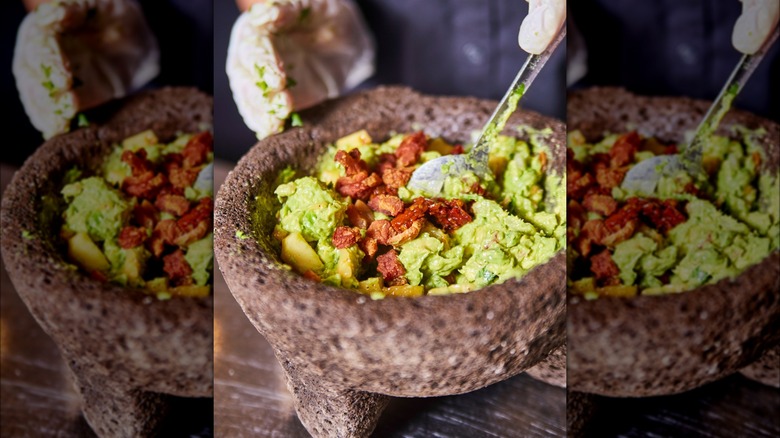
(545, 18)
(287, 55)
(758, 20)
(72, 55)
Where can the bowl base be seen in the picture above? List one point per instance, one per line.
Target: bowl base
(327, 410)
(113, 409)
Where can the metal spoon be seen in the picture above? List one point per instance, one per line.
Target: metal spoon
(644, 177)
(429, 178)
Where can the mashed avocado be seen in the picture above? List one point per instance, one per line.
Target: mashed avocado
(720, 231)
(95, 208)
(200, 256)
(309, 208)
(481, 232)
(143, 219)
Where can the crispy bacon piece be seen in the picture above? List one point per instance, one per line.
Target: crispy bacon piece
(592, 233)
(156, 243)
(344, 237)
(413, 212)
(137, 162)
(359, 214)
(196, 152)
(621, 225)
(358, 186)
(146, 215)
(146, 185)
(623, 150)
(351, 161)
(609, 177)
(578, 183)
(602, 204)
(662, 215)
(449, 215)
(381, 231)
(602, 265)
(178, 174)
(167, 230)
(195, 223)
(397, 177)
(176, 205)
(407, 233)
(387, 204)
(182, 178)
(410, 149)
(369, 246)
(176, 266)
(385, 162)
(390, 267)
(575, 218)
(384, 190)
(130, 237)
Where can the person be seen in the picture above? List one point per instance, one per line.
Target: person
(685, 49)
(186, 59)
(471, 50)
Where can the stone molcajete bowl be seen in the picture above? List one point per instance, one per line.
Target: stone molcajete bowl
(343, 353)
(652, 345)
(126, 349)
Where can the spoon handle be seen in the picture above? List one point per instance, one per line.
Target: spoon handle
(479, 153)
(692, 154)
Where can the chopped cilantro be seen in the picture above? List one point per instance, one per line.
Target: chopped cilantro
(305, 13)
(27, 235)
(46, 71)
(261, 84)
(49, 85)
(82, 121)
(291, 82)
(241, 235)
(295, 119)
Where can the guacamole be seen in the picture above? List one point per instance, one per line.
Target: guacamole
(355, 224)
(683, 237)
(144, 218)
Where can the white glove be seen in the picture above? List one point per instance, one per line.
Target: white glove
(545, 18)
(287, 55)
(758, 20)
(72, 55)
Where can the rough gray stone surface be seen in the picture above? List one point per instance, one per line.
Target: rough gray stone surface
(646, 345)
(342, 351)
(125, 348)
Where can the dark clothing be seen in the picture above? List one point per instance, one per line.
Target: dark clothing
(671, 47)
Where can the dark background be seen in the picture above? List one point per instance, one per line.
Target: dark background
(672, 48)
